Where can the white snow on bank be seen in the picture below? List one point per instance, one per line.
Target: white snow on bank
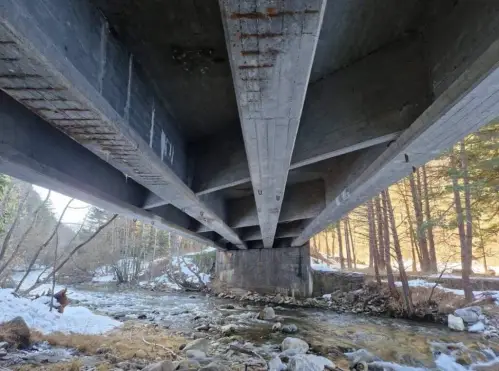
(105, 278)
(318, 265)
(37, 316)
(477, 294)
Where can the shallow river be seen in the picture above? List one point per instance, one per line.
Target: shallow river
(403, 342)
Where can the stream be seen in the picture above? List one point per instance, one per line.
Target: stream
(412, 345)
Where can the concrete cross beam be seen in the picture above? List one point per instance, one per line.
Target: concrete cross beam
(34, 151)
(271, 48)
(369, 102)
(59, 59)
(471, 101)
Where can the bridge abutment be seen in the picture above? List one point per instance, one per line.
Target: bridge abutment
(267, 271)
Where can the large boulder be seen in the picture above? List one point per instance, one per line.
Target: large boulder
(267, 314)
(160, 366)
(455, 323)
(295, 344)
(470, 315)
(309, 362)
(198, 344)
(16, 333)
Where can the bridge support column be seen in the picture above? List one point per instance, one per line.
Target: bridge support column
(267, 271)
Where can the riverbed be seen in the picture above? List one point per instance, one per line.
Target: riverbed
(330, 334)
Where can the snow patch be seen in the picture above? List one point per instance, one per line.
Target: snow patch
(38, 316)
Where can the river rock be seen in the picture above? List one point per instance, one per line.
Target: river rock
(187, 364)
(198, 344)
(477, 327)
(455, 323)
(470, 315)
(16, 333)
(214, 366)
(160, 366)
(309, 362)
(228, 329)
(267, 314)
(289, 329)
(275, 364)
(3, 344)
(195, 354)
(295, 344)
(276, 327)
(204, 327)
(361, 355)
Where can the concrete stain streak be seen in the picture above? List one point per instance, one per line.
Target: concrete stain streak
(151, 133)
(103, 53)
(129, 88)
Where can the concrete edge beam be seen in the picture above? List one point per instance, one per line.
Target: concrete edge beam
(48, 72)
(470, 102)
(33, 151)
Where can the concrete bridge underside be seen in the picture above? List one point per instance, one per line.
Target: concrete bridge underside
(245, 124)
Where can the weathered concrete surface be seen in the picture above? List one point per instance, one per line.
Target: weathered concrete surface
(267, 271)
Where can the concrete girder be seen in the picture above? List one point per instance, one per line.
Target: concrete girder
(34, 151)
(271, 49)
(365, 104)
(59, 59)
(470, 102)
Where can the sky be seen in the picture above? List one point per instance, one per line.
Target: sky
(74, 215)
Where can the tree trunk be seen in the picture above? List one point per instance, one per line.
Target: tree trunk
(328, 252)
(423, 247)
(400, 260)
(429, 227)
(352, 247)
(25, 234)
(469, 222)
(411, 230)
(347, 244)
(372, 240)
(42, 246)
(8, 236)
(386, 234)
(465, 252)
(340, 245)
(333, 236)
(381, 242)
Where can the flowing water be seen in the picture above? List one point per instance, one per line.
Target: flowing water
(416, 346)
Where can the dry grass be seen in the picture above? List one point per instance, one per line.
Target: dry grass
(125, 343)
(75, 365)
(447, 301)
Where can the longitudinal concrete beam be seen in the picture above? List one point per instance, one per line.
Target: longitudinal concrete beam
(271, 48)
(367, 103)
(34, 151)
(471, 101)
(59, 59)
